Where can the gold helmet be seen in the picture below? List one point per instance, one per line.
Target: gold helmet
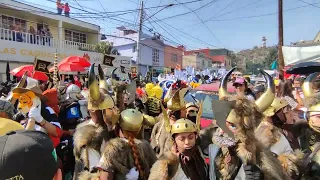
(311, 96)
(97, 100)
(264, 101)
(131, 120)
(182, 125)
(276, 105)
(102, 81)
(177, 102)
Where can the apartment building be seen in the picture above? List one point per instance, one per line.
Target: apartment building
(27, 32)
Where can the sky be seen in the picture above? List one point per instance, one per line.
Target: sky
(231, 24)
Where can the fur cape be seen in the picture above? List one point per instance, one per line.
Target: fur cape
(119, 156)
(87, 136)
(249, 149)
(165, 168)
(161, 140)
(268, 135)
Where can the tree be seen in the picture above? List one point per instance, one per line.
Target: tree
(272, 55)
(233, 58)
(105, 47)
(252, 68)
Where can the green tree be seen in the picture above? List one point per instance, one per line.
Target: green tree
(272, 55)
(252, 68)
(105, 47)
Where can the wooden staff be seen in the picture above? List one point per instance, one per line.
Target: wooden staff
(55, 71)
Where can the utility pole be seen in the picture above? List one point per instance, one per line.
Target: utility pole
(280, 44)
(139, 35)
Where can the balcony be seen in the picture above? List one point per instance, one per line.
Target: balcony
(27, 38)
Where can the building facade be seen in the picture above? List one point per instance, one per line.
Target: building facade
(173, 56)
(199, 61)
(151, 49)
(219, 57)
(27, 32)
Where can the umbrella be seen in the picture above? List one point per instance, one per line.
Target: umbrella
(304, 68)
(66, 67)
(19, 71)
(8, 71)
(75, 60)
(214, 87)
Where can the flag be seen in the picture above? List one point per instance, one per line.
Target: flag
(274, 65)
(41, 65)
(108, 60)
(8, 71)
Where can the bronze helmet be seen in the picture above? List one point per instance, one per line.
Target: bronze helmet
(97, 100)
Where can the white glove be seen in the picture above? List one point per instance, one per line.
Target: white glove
(133, 174)
(35, 114)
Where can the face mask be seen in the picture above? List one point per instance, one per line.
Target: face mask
(192, 118)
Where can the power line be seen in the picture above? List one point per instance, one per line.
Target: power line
(179, 43)
(182, 14)
(152, 7)
(225, 7)
(204, 23)
(199, 40)
(261, 15)
(309, 4)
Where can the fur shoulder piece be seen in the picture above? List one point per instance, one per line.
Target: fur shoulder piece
(291, 161)
(118, 155)
(88, 135)
(86, 175)
(165, 168)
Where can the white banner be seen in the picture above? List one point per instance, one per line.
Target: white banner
(294, 55)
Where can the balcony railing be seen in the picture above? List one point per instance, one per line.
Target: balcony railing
(9, 35)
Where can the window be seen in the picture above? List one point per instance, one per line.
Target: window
(7, 22)
(174, 57)
(75, 36)
(155, 56)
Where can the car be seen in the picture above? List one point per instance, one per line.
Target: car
(207, 97)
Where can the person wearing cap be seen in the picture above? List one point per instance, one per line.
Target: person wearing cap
(91, 136)
(235, 152)
(40, 116)
(308, 131)
(161, 139)
(125, 157)
(185, 160)
(242, 88)
(28, 155)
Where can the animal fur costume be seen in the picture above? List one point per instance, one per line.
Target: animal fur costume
(118, 155)
(230, 151)
(170, 165)
(309, 134)
(161, 140)
(88, 135)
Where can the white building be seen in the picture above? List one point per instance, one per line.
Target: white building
(19, 46)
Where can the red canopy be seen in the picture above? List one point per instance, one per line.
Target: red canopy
(19, 71)
(69, 68)
(75, 60)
